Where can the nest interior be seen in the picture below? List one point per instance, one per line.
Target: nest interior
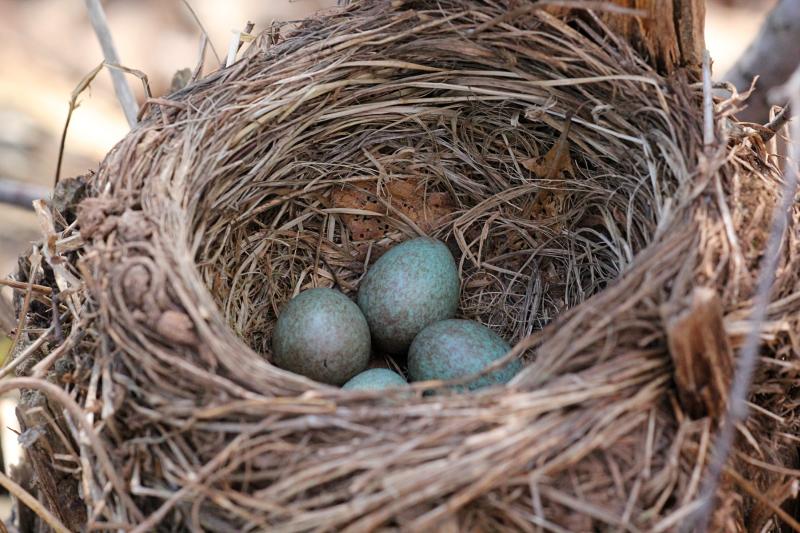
(590, 224)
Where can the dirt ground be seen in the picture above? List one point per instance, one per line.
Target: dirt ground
(47, 46)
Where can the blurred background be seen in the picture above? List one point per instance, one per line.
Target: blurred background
(48, 46)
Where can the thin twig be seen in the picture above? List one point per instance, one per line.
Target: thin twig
(121, 87)
(775, 124)
(708, 102)
(737, 406)
(201, 58)
(73, 105)
(58, 335)
(30, 349)
(32, 503)
(21, 194)
(21, 285)
(203, 29)
(26, 302)
(134, 72)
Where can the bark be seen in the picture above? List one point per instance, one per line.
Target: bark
(773, 56)
(669, 34)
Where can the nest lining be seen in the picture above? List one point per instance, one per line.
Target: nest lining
(365, 155)
(561, 170)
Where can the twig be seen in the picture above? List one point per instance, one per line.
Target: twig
(21, 285)
(40, 369)
(134, 72)
(236, 43)
(121, 87)
(247, 29)
(30, 349)
(32, 503)
(737, 406)
(201, 59)
(772, 127)
(762, 498)
(203, 29)
(20, 194)
(36, 261)
(708, 102)
(58, 335)
(73, 105)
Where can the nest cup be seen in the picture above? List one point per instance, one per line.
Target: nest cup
(569, 180)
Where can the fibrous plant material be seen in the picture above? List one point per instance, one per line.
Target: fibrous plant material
(589, 220)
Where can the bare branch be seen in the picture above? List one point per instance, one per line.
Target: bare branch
(121, 87)
(21, 194)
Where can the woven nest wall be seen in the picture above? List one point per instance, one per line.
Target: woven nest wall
(591, 226)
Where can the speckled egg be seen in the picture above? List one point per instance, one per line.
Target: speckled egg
(375, 379)
(323, 335)
(411, 286)
(453, 349)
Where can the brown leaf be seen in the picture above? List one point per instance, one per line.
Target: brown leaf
(425, 209)
(556, 160)
(555, 163)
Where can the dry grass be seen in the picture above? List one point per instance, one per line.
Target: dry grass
(299, 165)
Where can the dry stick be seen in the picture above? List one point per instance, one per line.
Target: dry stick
(775, 124)
(21, 285)
(121, 87)
(737, 406)
(26, 302)
(32, 503)
(30, 349)
(236, 43)
(708, 102)
(73, 105)
(20, 194)
(133, 72)
(201, 58)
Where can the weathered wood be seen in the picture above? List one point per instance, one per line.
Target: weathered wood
(701, 354)
(669, 33)
(57, 489)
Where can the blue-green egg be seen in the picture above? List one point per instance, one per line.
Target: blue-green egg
(376, 379)
(453, 349)
(323, 335)
(412, 285)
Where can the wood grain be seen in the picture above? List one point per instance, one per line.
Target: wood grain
(669, 34)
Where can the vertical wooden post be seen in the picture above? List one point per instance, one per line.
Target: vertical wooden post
(668, 32)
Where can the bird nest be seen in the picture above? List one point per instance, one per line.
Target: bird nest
(592, 226)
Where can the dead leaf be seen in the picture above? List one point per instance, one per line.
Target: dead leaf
(409, 197)
(556, 160)
(549, 203)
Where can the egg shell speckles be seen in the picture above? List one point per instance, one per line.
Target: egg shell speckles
(412, 285)
(453, 349)
(376, 379)
(323, 335)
